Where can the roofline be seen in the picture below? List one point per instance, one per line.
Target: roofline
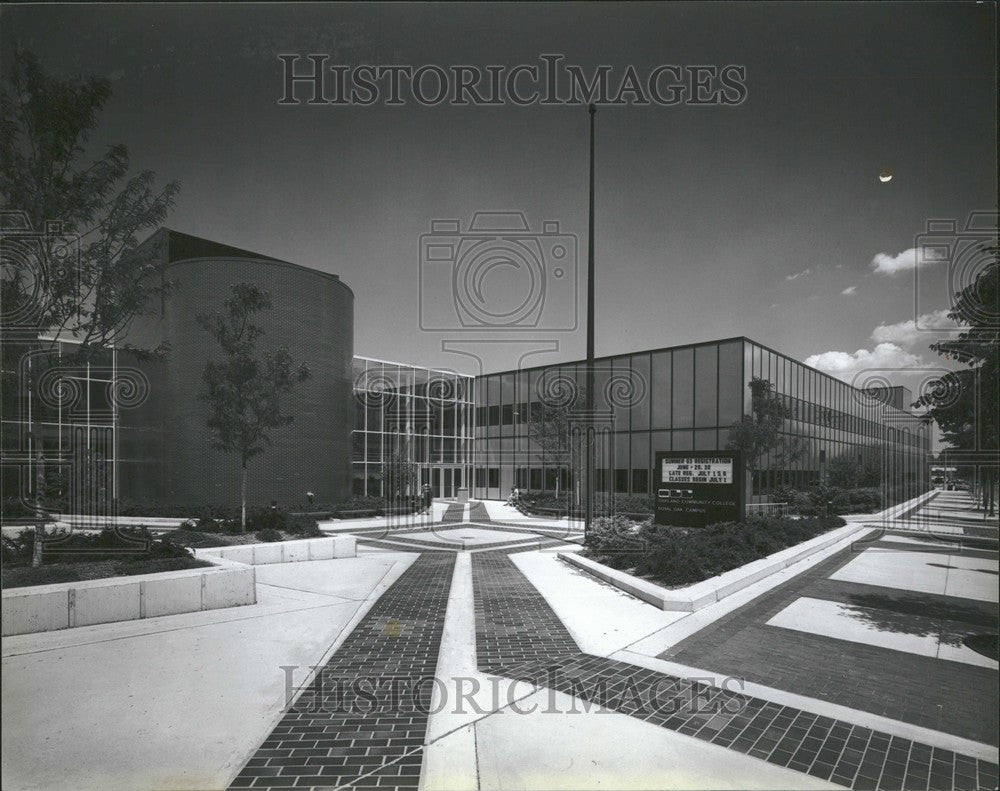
(267, 261)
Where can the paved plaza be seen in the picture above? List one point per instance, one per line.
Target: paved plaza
(465, 654)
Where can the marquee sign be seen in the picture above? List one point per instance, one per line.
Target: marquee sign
(696, 488)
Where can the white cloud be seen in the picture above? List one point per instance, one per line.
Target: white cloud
(849, 290)
(803, 273)
(845, 366)
(907, 333)
(885, 264)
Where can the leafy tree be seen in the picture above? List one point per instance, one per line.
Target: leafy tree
(244, 390)
(551, 426)
(72, 264)
(72, 225)
(848, 472)
(964, 402)
(759, 434)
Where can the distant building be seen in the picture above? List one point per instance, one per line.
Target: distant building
(164, 449)
(686, 398)
(481, 433)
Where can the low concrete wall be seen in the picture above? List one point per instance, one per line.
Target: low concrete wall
(45, 608)
(230, 582)
(285, 551)
(701, 594)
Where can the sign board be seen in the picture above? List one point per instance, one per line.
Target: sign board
(695, 488)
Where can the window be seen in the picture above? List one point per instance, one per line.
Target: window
(706, 386)
(640, 406)
(640, 481)
(660, 390)
(683, 388)
(494, 477)
(730, 384)
(621, 480)
(536, 479)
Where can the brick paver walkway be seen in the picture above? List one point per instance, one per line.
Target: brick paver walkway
(516, 628)
(362, 722)
(339, 734)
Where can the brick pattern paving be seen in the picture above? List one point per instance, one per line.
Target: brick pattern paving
(519, 636)
(453, 513)
(362, 722)
(952, 697)
(514, 624)
(478, 513)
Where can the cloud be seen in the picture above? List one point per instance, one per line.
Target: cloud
(849, 290)
(885, 264)
(803, 273)
(846, 366)
(909, 332)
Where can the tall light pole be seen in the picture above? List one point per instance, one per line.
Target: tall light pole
(590, 428)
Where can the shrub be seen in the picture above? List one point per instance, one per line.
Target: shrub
(110, 544)
(265, 519)
(303, 526)
(269, 534)
(680, 556)
(614, 535)
(566, 501)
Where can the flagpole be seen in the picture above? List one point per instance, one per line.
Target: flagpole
(590, 428)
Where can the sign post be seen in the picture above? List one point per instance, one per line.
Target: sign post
(698, 488)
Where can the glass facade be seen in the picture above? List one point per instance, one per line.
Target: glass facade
(408, 414)
(60, 437)
(681, 398)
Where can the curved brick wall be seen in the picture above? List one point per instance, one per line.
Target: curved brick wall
(165, 453)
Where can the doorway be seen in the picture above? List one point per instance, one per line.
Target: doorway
(444, 480)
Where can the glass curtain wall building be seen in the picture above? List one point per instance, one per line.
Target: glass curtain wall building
(406, 413)
(681, 398)
(60, 437)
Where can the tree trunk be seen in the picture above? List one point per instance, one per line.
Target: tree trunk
(36, 551)
(243, 500)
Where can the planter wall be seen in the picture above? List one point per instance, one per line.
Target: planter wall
(46, 608)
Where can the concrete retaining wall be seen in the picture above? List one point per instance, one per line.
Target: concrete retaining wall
(701, 594)
(230, 582)
(285, 551)
(45, 608)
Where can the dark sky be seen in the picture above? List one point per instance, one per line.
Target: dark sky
(711, 221)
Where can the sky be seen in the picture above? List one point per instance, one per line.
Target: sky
(765, 219)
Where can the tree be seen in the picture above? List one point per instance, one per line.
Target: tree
(72, 265)
(244, 390)
(71, 227)
(399, 472)
(849, 472)
(964, 402)
(551, 426)
(758, 434)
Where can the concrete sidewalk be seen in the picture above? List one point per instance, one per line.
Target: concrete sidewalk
(176, 702)
(507, 734)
